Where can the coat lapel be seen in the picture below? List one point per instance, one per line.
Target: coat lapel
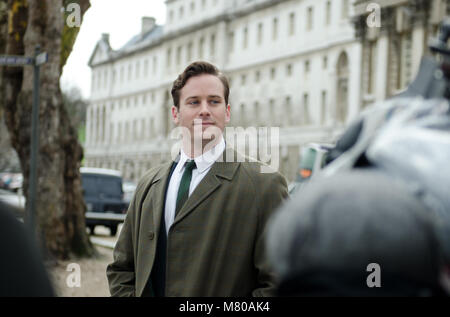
(219, 171)
(155, 202)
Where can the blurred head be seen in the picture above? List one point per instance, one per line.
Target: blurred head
(340, 234)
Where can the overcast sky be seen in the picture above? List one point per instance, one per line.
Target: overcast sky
(121, 19)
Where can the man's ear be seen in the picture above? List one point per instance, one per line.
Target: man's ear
(228, 113)
(175, 115)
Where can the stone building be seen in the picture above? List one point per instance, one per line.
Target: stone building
(305, 66)
(391, 53)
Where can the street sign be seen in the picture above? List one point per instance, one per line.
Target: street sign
(41, 59)
(12, 60)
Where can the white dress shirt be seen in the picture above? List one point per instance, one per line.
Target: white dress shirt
(203, 164)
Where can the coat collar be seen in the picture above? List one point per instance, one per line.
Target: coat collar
(223, 169)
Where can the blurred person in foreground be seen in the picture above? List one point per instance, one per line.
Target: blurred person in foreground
(196, 225)
(331, 240)
(22, 272)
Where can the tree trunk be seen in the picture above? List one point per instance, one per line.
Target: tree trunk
(60, 206)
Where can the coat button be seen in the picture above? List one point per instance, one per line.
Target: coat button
(151, 235)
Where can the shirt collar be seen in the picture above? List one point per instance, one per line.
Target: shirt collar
(204, 161)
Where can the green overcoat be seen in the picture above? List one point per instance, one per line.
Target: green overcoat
(216, 245)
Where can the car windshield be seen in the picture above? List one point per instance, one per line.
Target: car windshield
(94, 185)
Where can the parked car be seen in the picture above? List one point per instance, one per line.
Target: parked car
(312, 160)
(103, 193)
(128, 191)
(11, 181)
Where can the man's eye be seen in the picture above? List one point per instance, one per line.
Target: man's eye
(215, 101)
(194, 102)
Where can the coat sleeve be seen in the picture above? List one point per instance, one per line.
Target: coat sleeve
(274, 191)
(121, 272)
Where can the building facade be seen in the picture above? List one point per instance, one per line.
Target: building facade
(306, 66)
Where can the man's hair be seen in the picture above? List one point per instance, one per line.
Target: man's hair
(197, 69)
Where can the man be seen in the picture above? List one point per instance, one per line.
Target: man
(195, 226)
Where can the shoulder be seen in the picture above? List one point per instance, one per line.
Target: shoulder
(152, 175)
(259, 172)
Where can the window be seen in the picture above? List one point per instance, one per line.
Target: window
(272, 120)
(203, 4)
(134, 129)
(243, 79)
(345, 9)
(260, 34)
(245, 38)
(325, 62)
(169, 57)
(146, 68)
(273, 73)
(138, 68)
(111, 133)
(289, 70)
(171, 16)
(119, 134)
(242, 112)
(307, 67)
(189, 51)
(181, 12)
(155, 64)
(323, 112)
(192, 7)
(143, 129)
(129, 72)
(127, 131)
(201, 44)
(274, 29)
(328, 13)
(212, 50)
(288, 110)
(292, 23)
(231, 41)
(305, 108)
(257, 76)
(256, 113)
(309, 19)
(179, 48)
(105, 83)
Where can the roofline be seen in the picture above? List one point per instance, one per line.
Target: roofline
(228, 16)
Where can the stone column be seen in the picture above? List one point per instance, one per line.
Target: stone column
(381, 77)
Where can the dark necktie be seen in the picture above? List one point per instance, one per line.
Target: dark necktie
(183, 190)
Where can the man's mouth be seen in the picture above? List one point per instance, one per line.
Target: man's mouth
(204, 123)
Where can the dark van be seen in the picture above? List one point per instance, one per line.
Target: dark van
(103, 193)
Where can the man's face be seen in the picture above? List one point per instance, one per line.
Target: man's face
(202, 106)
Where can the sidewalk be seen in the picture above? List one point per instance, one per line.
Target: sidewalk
(93, 282)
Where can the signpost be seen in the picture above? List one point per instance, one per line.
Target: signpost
(36, 61)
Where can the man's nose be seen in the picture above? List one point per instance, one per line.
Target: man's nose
(204, 108)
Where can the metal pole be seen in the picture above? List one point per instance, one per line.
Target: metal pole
(34, 145)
